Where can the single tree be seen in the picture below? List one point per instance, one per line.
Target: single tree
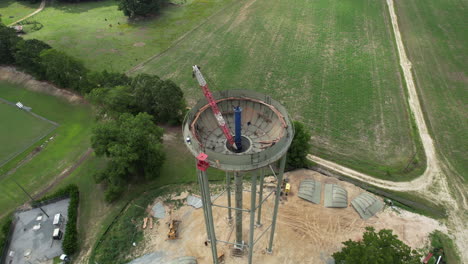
(136, 8)
(162, 99)
(377, 248)
(27, 56)
(133, 145)
(300, 147)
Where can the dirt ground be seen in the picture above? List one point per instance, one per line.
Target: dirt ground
(10, 74)
(306, 232)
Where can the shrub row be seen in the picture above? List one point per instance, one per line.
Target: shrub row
(5, 229)
(70, 239)
(113, 92)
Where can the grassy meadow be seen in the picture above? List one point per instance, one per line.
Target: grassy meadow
(99, 34)
(19, 130)
(13, 10)
(332, 63)
(435, 34)
(71, 140)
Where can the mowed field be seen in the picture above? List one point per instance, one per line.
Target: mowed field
(97, 33)
(19, 130)
(436, 37)
(332, 63)
(71, 140)
(12, 10)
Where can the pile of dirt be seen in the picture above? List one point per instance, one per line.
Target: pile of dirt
(10, 74)
(306, 232)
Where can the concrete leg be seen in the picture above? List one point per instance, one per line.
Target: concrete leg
(260, 197)
(252, 216)
(209, 214)
(277, 198)
(238, 181)
(228, 190)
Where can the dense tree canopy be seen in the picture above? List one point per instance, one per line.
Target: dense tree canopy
(162, 99)
(377, 248)
(8, 41)
(300, 147)
(133, 145)
(135, 8)
(108, 79)
(27, 56)
(64, 70)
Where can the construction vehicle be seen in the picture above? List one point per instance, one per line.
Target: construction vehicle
(285, 187)
(173, 230)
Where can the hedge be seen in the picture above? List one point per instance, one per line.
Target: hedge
(5, 229)
(70, 239)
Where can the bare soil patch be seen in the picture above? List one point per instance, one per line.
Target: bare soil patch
(12, 75)
(139, 44)
(306, 232)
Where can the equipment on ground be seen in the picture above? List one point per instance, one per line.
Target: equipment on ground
(285, 187)
(57, 235)
(57, 219)
(173, 230)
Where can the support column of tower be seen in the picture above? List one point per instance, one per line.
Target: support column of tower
(228, 191)
(209, 214)
(252, 216)
(277, 198)
(238, 197)
(260, 197)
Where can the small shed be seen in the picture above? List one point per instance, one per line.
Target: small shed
(367, 205)
(335, 196)
(310, 190)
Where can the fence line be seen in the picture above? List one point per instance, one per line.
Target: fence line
(35, 140)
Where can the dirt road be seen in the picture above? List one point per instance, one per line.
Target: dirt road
(433, 175)
(41, 7)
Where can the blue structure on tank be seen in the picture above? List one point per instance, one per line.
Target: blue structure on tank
(238, 127)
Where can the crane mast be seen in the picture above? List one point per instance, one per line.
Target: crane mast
(214, 107)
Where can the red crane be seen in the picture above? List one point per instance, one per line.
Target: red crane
(209, 97)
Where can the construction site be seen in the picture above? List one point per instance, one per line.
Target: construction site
(306, 232)
(261, 214)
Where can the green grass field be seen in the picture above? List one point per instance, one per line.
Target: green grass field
(16, 9)
(436, 36)
(19, 130)
(117, 44)
(332, 63)
(71, 140)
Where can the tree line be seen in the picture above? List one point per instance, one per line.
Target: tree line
(130, 8)
(128, 108)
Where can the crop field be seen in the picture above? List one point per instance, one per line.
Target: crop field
(71, 140)
(435, 34)
(332, 63)
(99, 34)
(12, 10)
(19, 130)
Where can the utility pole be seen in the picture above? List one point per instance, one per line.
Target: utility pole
(32, 199)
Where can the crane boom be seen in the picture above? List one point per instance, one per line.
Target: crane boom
(214, 107)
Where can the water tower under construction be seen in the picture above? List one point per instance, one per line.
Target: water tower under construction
(247, 135)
